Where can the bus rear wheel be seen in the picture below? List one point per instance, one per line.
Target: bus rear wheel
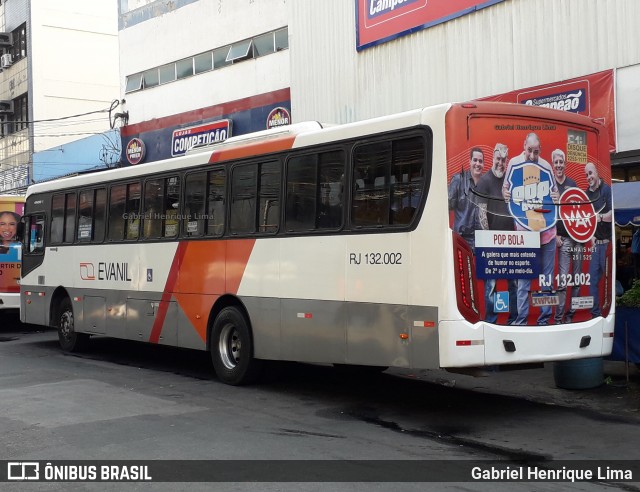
(70, 340)
(232, 348)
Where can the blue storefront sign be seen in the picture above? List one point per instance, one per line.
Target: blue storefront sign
(185, 139)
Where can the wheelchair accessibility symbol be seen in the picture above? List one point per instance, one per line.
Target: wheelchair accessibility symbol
(501, 302)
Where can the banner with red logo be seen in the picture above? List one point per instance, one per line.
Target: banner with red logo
(379, 21)
(591, 95)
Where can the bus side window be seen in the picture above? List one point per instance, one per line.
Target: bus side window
(216, 202)
(392, 173)
(85, 216)
(332, 167)
(35, 224)
(194, 189)
(116, 212)
(314, 191)
(132, 211)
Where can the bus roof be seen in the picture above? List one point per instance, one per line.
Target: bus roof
(301, 135)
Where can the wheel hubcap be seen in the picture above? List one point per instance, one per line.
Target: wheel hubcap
(229, 347)
(66, 324)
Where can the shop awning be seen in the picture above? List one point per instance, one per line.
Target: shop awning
(626, 202)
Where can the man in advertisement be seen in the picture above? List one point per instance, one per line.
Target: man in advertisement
(463, 199)
(569, 251)
(494, 215)
(599, 193)
(535, 222)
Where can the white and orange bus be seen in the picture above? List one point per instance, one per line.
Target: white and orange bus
(11, 209)
(356, 244)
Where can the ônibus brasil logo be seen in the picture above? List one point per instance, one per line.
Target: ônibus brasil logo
(578, 214)
(531, 204)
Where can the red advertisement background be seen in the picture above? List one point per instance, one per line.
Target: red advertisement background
(407, 19)
(600, 97)
(487, 124)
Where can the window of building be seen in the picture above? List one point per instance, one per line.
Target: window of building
(263, 45)
(151, 78)
(282, 39)
(220, 57)
(258, 46)
(134, 83)
(184, 68)
(240, 51)
(19, 119)
(167, 73)
(19, 48)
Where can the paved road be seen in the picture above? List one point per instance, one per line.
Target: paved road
(130, 401)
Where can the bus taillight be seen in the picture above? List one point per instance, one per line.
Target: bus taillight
(466, 290)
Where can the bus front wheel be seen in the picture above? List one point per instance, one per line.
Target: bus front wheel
(70, 340)
(232, 348)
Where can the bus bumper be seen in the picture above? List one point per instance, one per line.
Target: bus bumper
(484, 344)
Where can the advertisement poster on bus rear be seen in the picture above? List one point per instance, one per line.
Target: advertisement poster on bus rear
(531, 199)
(10, 249)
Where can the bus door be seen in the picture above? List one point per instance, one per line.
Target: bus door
(33, 303)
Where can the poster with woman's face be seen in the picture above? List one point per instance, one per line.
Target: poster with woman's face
(10, 247)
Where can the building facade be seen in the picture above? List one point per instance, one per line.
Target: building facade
(357, 59)
(196, 72)
(59, 76)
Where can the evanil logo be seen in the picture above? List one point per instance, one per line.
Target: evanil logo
(531, 204)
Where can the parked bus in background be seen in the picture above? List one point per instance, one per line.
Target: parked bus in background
(376, 244)
(11, 209)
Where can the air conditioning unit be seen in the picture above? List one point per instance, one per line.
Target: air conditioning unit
(6, 39)
(6, 60)
(6, 107)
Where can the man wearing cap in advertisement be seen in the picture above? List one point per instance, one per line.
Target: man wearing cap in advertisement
(462, 197)
(494, 215)
(569, 251)
(599, 193)
(531, 153)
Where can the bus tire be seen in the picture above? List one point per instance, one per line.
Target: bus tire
(232, 348)
(70, 340)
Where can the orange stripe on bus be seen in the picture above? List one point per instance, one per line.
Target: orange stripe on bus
(251, 149)
(166, 295)
(207, 270)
